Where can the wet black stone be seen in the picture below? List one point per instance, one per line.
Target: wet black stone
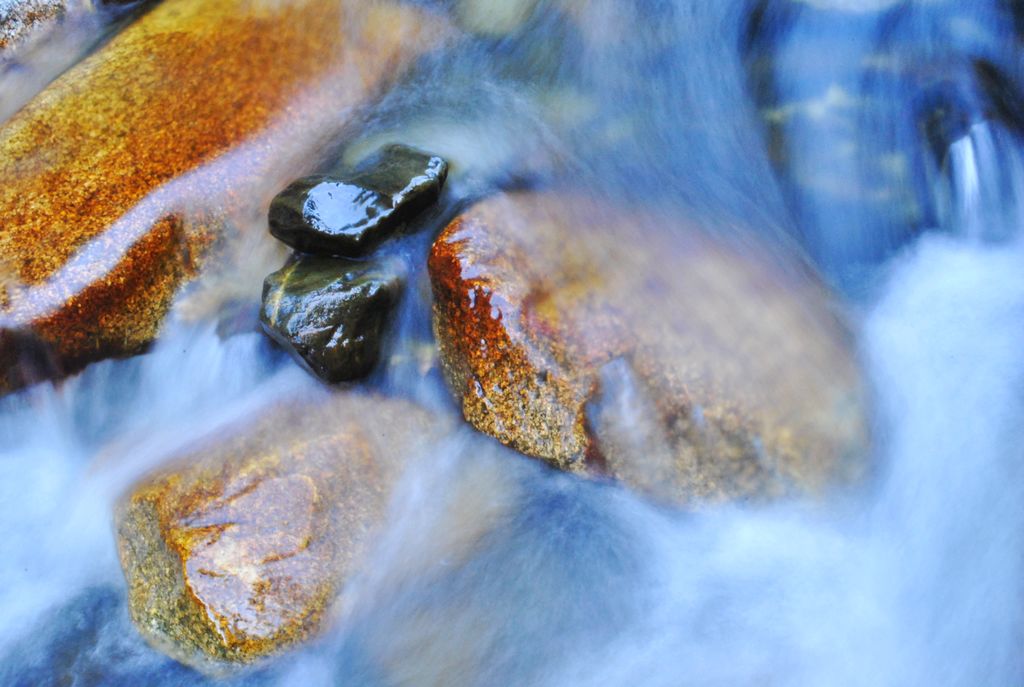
(330, 313)
(351, 215)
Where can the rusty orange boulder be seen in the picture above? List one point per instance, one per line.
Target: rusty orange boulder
(237, 550)
(117, 179)
(621, 343)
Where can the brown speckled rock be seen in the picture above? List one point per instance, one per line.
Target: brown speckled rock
(618, 343)
(237, 550)
(118, 177)
(21, 20)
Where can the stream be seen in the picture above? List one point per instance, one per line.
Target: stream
(881, 139)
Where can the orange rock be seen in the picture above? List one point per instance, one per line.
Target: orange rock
(117, 178)
(630, 345)
(238, 549)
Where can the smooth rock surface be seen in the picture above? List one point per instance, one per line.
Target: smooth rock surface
(331, 313)
(237, 550)
(350, 215)
(116, 180)
(618, 343)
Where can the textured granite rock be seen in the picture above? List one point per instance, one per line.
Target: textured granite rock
(22, 20)
(116, 180)
(237, 550)
(609, 342)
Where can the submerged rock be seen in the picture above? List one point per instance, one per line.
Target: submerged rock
(351, 215)
(494, 17)
(610, 342)
(238, 550)
(331, 313)
(117, 179)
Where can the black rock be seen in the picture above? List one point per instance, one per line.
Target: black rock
(351, 215)
(331, 313)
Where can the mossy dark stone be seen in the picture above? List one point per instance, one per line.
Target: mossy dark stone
(351, 215)
(331, 314)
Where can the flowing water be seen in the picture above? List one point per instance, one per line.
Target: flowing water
(884, 138)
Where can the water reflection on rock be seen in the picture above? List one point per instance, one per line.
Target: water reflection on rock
(238, 550)
(332, 314)
(119, 177)
(351, 214)
(558, 318)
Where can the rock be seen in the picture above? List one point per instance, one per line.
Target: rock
(618, 343)
(26, 26)
(237, 550)
(494, 17)
(331, 313)
(39, 39)
(22, 20)
(351, 215)
(118, 178)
